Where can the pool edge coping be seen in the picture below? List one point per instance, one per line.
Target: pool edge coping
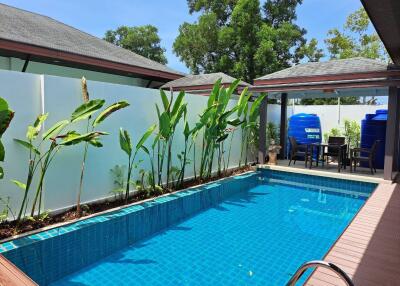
(115, 209)
(320, 173)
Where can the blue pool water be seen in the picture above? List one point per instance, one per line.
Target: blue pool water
(256, 237)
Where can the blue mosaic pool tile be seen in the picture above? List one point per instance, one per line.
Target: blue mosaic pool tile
(53, 254)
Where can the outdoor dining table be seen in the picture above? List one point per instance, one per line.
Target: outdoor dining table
(317, 149)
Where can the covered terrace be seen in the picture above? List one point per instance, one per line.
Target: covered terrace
(337, 78)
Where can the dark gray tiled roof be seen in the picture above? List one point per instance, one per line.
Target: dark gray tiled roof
(352, 65)
(201, 79)
(38, 30)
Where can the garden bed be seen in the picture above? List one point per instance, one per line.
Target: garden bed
(10, 229)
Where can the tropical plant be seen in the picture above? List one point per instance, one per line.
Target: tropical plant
(53, 140)
(6, 210)
(6, 115)
(126, 145)
(334, 132)
(249, 118)
(168, 119)
(213, 122)
(272, 133)
(352, 133)
(183, 159)
(85, 111)
(118, 177)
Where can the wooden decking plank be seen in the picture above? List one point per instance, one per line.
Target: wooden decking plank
(369, 249)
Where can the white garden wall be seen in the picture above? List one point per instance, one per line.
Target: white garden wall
(27, 94)
(30, 94)
(331, 116)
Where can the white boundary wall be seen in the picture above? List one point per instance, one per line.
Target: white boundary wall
(30, 94)
(59, 96)
(331, 116)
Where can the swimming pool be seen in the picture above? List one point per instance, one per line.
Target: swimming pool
(258, 235)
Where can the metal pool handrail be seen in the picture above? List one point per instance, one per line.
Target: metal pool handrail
(319, 263)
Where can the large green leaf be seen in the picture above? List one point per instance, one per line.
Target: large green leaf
(255, 107)
(177, 103)
(165, 100)
(145, 149)
(75, 138)
(222, 138)
(40, 119)
(145, 136)
(165, 125)
(5, 118)
(27, 145)
(214, 93)
(125, 141)
(232, 87)
(177, 117)
(224, 116)
(96, 143)
(236, 122)
(3, 104)
(110, 110)
(6, 115)
(243, 100)
(34, 130)
(186, 130)
(87, 109)
(19, 184)
(55, 129)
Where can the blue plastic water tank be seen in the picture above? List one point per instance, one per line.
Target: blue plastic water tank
(373, 127)
(306, 128)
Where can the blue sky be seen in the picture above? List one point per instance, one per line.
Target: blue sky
(97, 16)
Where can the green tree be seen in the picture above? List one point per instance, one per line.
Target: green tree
(242, 39)
(143, 40)
(355, 39)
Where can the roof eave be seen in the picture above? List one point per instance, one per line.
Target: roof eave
(198, 87)
(330, 77)
(80, 61)
(327, 85)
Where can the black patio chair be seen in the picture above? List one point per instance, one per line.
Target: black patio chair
(298, 151)
(358, 155)
(336, 149)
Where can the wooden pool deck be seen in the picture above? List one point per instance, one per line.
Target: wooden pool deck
(369, 249)
(10, 275)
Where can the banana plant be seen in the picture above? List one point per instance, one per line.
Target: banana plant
(214, 121)
(249, 119)
(86, 111)
(55, 138)
(6, 115)
(252, 122)
(126, 145)
(168, 120)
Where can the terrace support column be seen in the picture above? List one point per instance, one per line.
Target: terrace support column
(283, 126)
(262, 138)
(392, 133)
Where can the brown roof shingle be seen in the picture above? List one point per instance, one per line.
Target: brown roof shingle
(34, 29)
